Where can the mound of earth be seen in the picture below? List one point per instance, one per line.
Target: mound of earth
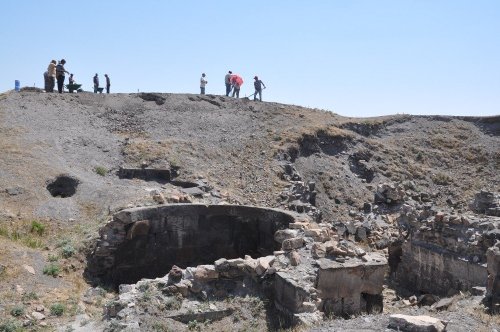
(71, 161)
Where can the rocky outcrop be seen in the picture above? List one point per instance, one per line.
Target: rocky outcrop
(487, 202)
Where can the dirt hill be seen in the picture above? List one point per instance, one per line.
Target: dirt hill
(61, 156)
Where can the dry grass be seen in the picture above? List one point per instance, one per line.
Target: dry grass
(144, 150)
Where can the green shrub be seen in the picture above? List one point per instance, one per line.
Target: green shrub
(57, 309)
(53, 258)
(9, 326)
(37, 227)
(102, 171)
(67, 251)
(17, 311)
(29, 296)
(52, 270)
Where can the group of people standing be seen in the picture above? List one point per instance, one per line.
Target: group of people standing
(233, 83)
(57, 72)
(96, 84)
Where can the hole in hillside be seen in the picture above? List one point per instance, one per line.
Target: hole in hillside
(147, 242)
(63, 186)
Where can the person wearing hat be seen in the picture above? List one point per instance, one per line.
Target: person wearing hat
(203, 83)
(60, 71)
(258, 84)
(227, 80)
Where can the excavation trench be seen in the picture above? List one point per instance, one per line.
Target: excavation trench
(147, 242)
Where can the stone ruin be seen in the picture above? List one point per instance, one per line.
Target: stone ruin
(191, 250)
(307, 268)
(445, 252)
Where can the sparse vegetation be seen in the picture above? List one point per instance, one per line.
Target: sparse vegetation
(53, 258)
(17, 311)
(102, 171)
(194, 326)
(37, 227)
(67, 251)
(52, 270)
(28, 233)
(30, 296)
(57, 309)
(9, 326)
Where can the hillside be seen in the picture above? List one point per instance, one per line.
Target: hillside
(239, 151)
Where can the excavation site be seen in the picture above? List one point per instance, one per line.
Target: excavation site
(181, 212)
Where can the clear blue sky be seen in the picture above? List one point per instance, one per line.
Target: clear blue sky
(353, 57)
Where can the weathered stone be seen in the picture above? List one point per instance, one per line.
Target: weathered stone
(389, 193)
(139, 228)
(293, 243)
(416, 323)
(28, 268)
(427, 299)
(175, 275)
(37, 315)
(158, 197)
(284, 234)
(204, 273)
(439, 217)
(183, 287)
(263, 264)
(478, 291)
(361, 233)
(318, 250)
(356, 278)
(443, 304)
(294, 257)
(298, 225)
(289, 294)
(230, 268)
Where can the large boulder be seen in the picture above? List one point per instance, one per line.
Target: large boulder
(416, 323)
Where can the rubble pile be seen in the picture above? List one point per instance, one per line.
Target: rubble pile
(299, 196)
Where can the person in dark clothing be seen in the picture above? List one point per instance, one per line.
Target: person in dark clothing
(60, 71)
(108, 83)
(96, 83)
(258, 84)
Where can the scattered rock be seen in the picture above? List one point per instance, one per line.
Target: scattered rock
(37, 315)
(416, 323)
(30, 269)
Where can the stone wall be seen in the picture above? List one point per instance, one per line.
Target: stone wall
(431, 269)
(147, 242)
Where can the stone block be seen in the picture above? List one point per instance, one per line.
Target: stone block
(288, 293)
(356, 277)
(284, 234)
(293, 243)
(204, 273)
(416, 323)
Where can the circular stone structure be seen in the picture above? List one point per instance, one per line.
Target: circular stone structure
(146, 242)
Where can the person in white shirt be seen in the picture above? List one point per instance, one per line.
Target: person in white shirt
(203, 83)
